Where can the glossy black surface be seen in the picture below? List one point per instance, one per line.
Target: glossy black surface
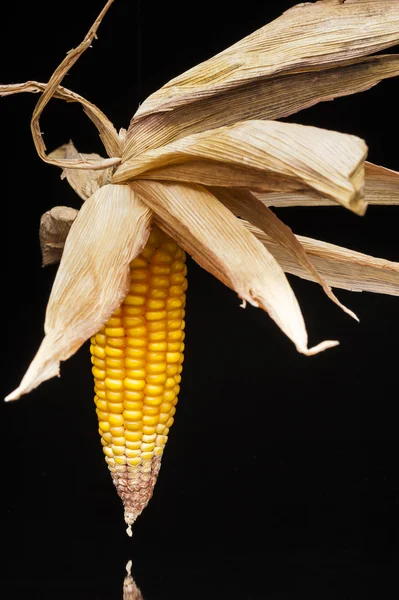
(280, 477)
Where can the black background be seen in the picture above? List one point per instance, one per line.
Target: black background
(279, 480)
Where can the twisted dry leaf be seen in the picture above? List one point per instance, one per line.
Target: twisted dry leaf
(54, 228)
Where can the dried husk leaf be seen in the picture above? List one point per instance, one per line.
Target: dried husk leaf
(267, 99)
(219, 242)
(113, 143)
(308, 37)
(248, 207)
(54, 229)
(341, 267)
(84, 182)
(328, 162)
(93, 278)
(381, 186)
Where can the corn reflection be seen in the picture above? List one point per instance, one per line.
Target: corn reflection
(130, 589)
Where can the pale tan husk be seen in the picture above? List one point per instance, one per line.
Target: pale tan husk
(194, 142)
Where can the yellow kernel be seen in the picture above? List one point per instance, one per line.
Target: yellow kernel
(166, 431)
(114, 352)
(172, 413)
(160, 428)
(136, 353)
(116, 342)
(161, 440)
(121, 460)
(156, 379)
(100, 385)
(178, 266)
(101, 394)
(175, 324)
(134, 363)
(108, 452)
(101, 404)
(115, 420)
(158, 293)
(114, 384)
(175, 314)
(103, 424)
(117, 431)
(148, 447)
(132, 453)
(102, 415)
(148, 439)
(156, 368)
(150, 420)
(118, 441)
(176, 290)
(133, 445)
(139, 288)
(132, 405)
(156, 326)
(182, 347)
(175, 336)
(150, 410)
(138, 263)
(163, 418)
(107, 437)
(156, 357)
(98, 373)
(115, 408)
(161, 257)
(171, 370)
(136, 373)
(177, 279)
(98, 351)
(98, 362)
(153, 304)
(165, 407)
(137, 321)
(134, 395)
(115, 331)
(159, 282)
(160, 269)
(134, 384)
(173, 347)
(170, 246)
(133, 311)
(133, 426)
(101, 340)
(181, 360)
(177, 378)
(148, 429)
(134, 300)
(156, 315)
(180, 369)
(133, 342)
(115, 363)
(156, 336)
(146, 456)
(118, 450)
(137, 331)
(134, 462)
(148, 251)
(133, 436)
(174, 304)
(169, 396)
(132, 415)
(114, 321)
(153, 390)
(153, 401)
(157, 347)
(158, 451)
(116, 373)
(139, 275)
(170, 383)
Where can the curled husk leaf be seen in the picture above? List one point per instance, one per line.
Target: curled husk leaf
(93, 278)
(54, 228)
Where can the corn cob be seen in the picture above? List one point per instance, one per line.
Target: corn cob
(137, 361)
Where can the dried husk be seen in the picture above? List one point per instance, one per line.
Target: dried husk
(381, 186)
(84, 182)
(247, 206)
(211, 234)
(130, 589)
(327, 162)
(93, 278)
(305, 42)
(54, 229)
(341, 267)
